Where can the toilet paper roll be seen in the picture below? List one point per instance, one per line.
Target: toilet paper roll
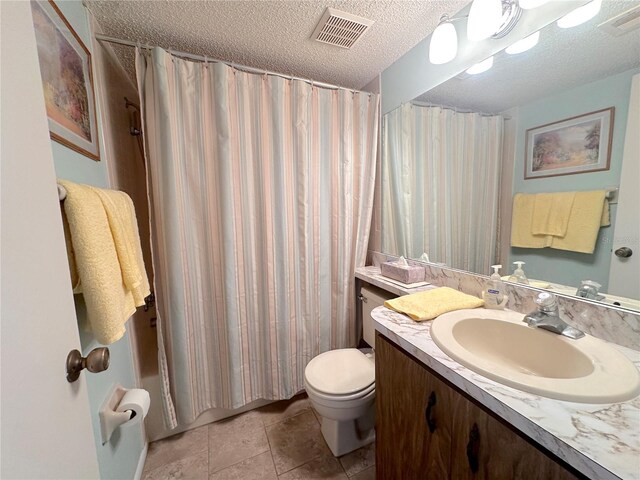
(135, 401)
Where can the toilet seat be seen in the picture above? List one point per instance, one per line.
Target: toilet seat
(345, 373)
(336, 399)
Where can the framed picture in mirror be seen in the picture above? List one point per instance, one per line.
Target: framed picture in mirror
(65, 67)
(573, 145)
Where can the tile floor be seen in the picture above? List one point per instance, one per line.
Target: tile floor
(279, 441)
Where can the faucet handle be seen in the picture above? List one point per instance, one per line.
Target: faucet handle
(546, 301)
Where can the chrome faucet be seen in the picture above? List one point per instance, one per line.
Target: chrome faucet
(590, 289)
(547, 316)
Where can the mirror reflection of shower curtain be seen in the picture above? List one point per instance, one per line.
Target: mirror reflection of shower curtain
(440, 184)
(261, 193)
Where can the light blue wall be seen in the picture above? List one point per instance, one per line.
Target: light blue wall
(570, 268)
(118, 459)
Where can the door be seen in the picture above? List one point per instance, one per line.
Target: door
(624, 271)
(46, 427)
(413, 421)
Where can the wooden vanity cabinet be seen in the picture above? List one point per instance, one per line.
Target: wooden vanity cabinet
(426, 429)
(413, 426)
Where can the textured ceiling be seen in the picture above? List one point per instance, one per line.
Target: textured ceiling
(563, 59)
(275, 35)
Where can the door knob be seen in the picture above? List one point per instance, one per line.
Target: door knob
(624, 252)
(96, 361)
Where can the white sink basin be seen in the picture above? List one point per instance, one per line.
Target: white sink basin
(498, 345)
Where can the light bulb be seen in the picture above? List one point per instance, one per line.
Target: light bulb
(483, 66)
(580, 14)
(525, 44)
(444, 43)
(529, 4)
(484, 19)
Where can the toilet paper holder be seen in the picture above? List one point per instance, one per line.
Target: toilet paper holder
(110, 419)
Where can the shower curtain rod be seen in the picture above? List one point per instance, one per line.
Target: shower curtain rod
(202, 58)
(456, 109)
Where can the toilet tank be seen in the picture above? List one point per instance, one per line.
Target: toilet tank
(372, 297)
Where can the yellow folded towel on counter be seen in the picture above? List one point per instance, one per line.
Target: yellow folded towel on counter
(429, 304)
(551, 212)
(590, 212)
(96, 254)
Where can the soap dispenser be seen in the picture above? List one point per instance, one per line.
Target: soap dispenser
(494, 296)
(518, 275)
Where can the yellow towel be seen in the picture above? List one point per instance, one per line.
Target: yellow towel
(590, 212)
(431, 303)
(521, 219)
(124, 229)
(551, 213)
(109, 302)
(71, 256)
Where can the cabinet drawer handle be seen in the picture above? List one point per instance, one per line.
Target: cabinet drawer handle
(431, 422)
(473, 448)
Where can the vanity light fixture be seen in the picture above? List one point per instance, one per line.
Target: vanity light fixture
(444, 42)
(481, 67)
(487, 18)
(484, 20)
(530, 4)
(580, 15)
(523, 45)
(492, 18)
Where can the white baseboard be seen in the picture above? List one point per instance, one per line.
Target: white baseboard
(141, 461)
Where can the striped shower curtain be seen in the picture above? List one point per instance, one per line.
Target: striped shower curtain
(261, 191)
(440, 183)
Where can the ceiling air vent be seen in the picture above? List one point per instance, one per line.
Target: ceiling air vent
(341, 29)
(623, 23)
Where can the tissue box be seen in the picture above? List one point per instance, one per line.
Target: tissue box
(402, 273)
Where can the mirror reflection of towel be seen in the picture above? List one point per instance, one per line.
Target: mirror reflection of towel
(551, 212)
(521, 219)
(589, 211)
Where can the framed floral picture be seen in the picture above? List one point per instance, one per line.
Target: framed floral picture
(578, 144)
(67, 82)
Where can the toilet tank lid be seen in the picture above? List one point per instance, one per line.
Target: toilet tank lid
(340, 372)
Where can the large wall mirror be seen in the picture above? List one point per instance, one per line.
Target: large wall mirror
(552, 119)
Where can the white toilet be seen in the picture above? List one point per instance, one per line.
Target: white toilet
(341, 386)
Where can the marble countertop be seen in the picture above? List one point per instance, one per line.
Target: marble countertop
(601, 441)
(373, 276)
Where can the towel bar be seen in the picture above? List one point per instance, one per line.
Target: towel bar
(612, 195)
(62, 193)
